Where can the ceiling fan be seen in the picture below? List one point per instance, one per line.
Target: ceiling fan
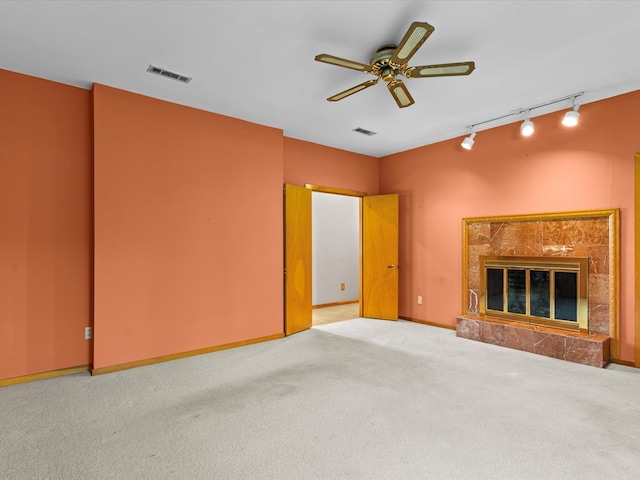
(391, 60)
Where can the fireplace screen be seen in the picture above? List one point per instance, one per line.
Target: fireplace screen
(546, 291)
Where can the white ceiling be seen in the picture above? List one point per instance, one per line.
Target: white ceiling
(254, 60)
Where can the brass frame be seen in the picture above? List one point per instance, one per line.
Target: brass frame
(553, 264)
(613, 217)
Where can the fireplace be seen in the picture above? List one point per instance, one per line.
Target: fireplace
(543, 283)
(536, 290)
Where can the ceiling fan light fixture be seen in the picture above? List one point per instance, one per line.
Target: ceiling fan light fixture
(571, 118)
(388, 75)
(527, 128)
(468, 142)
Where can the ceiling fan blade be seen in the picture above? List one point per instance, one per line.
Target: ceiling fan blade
(414, 38)
(400, 93)
(444, 70)
(352, 90)
(341, 62)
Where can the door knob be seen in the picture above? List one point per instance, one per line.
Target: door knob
(392, 266)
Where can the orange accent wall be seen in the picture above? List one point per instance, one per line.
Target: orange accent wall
(557, 169)
(45, 225)
(188, 228)
(306, 162)
(188, 216)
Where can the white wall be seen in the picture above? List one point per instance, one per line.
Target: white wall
(335, 248)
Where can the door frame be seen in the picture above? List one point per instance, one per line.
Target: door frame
(352, 193)
(348, 193)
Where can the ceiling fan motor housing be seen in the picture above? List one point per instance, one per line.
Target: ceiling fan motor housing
(385, 52)
(381, 65)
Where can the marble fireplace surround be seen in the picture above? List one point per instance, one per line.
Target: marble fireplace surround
(593, 234)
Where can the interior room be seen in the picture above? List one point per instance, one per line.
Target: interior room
(335, 266)
(144, 150)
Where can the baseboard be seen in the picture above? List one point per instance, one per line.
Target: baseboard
(424, 322)
(626, 363)
(43, 375)
(176, 356)
(345, 302)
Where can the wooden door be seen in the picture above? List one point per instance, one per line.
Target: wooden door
(380, 257)
(297, 253)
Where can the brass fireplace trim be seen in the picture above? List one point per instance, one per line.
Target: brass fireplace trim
(572, 264)
(613, 219)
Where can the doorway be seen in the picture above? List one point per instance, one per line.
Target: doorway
(335, 246)
(378, 256)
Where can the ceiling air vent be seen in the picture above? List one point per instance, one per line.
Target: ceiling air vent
(168, 74)
(364, 131)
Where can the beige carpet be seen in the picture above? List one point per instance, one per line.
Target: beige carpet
(360, 399)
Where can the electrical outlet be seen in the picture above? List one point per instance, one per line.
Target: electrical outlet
(88, 333)
(342, 286)
(419, 299)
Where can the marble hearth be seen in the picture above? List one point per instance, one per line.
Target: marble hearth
(575, 347)
(592, 234)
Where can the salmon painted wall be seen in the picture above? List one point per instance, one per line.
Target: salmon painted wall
(306, 162)
(590, 166)
(188, 228)
(45, 225)
(188, 216)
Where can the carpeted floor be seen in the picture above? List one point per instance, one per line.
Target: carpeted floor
(360, 399)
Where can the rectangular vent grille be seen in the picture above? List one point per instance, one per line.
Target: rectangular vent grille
(168, 74)
(364, 131)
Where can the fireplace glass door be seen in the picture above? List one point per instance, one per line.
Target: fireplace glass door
(548, 292)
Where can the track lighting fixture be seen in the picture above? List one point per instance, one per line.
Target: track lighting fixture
(571, 117)
(468, 142)
(527, 127)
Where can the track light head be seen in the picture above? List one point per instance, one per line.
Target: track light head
(571, 117)
(468, 142)
(527, 127)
